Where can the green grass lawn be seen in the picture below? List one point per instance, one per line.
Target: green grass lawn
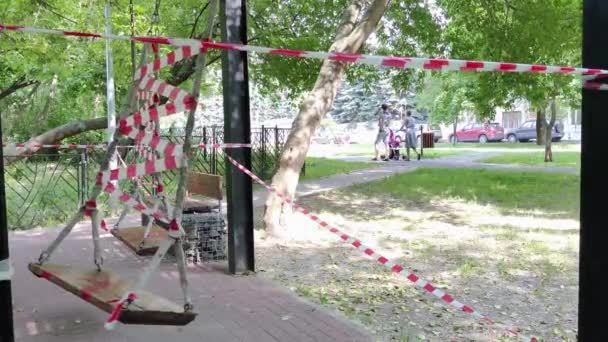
(511, 192)
(323, 167)
(562, 146)
(571, 159)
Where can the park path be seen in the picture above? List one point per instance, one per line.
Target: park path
(230, 308)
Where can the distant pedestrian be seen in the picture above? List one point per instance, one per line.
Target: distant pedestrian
(409, 125)
(382, 136)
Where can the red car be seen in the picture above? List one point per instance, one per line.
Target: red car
(481, 133)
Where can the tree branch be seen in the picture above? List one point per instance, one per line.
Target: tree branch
(18, 84)
(53, 136)
(184, 69)
(198, 17)
(53, 10)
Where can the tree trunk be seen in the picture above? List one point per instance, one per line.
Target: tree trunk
(44, 113)
(52, 136)
(454, 131)
(540, 127)
(349, 39)
(548, 133)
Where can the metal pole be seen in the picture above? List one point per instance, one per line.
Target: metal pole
(6, 299)
(421, 142)
(264, 151)
(110, 94)
(237, 129)
(213, 152)
(594, 184)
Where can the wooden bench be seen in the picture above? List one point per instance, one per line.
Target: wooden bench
(201, 184)
(208, 186)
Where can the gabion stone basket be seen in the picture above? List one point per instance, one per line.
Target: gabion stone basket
(206, 236)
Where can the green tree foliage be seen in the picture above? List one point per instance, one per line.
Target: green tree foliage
(522, 31)
(445, 97)
(65, 77)
(77, 64)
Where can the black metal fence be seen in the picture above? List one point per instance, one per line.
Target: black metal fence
(46, 188)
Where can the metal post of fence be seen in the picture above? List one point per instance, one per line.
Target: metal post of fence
(593, 234)
(276, 140)
(81, 179)
(205, 142)
(6, 298)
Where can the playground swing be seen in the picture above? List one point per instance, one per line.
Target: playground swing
(144, 240)
(125, 302)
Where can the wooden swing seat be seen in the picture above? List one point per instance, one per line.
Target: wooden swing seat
(104, 290)
(132, 237)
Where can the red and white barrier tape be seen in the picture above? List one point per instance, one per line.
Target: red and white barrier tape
(89, 206)
(380, 61)
(61, 146)
(174, 93)
(131, 202)
(104, 146)
(595, 86)
(150, 99)
(153, 142)
(166, 60)
(141, 169)
(401, 271)
(115, 314)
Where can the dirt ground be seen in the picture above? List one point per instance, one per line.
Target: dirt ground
(519, 269)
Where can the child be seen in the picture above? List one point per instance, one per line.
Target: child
(394, 143)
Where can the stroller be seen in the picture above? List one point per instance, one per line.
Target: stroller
(394, 143)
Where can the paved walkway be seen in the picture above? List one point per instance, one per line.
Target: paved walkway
(230, 308)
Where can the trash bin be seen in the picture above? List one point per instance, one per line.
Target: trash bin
(428, 139)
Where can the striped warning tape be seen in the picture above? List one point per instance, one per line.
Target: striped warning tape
(131, 202)
(166, 60)
(156, 86)
(401, 271)
(595, 86)
(89, 207)
(104, 146)
(128, 298)
(141, 169)
(151, 141)
(375, 60)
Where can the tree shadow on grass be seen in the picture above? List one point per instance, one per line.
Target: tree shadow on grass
(518, 193)
(341, 278)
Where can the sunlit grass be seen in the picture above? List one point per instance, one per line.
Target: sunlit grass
(570, 159)
(323, 167)
(510, 191)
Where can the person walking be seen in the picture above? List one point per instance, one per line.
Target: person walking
(410, 135)
(382, 136)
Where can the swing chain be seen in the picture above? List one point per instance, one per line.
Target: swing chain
(188, 307)
(44, 256)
